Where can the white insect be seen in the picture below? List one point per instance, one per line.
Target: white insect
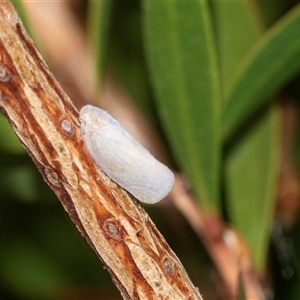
(122, 158)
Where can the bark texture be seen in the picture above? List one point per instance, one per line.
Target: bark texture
(139, 260)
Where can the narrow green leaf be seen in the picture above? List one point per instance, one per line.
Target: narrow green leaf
(234, 36)
(251, 175)
(270, 64)
(182, 61)
(244, 163)
(98, 26)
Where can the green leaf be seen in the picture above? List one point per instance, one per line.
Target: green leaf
(182, 61)
(234, 36)
(251, 180)
(248, 182)
(98, 26)
(270, 64)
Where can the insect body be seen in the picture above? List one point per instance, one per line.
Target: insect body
(122, 158)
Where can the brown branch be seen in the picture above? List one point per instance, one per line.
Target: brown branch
(141, 263)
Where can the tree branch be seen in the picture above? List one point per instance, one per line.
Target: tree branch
(141, 263)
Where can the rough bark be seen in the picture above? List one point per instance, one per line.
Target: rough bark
(139, 260)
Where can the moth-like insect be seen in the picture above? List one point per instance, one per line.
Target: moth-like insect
(122, 158)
